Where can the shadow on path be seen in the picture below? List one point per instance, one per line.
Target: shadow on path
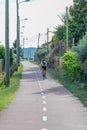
(58, 90)
(30, 74)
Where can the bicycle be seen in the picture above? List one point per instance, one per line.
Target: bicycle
(43, 73)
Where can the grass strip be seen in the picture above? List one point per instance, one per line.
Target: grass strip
(7, 94)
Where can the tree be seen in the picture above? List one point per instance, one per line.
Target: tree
(2, 52)
(78, 19)
(11, 57)
(59, 34)
(14, 46)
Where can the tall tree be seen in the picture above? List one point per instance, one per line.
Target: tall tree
(78, 19)
(59, 34)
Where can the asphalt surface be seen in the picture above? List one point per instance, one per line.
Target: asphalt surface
(42, 105)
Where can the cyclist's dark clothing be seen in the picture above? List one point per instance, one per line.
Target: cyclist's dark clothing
(44, 64)
(44, 67)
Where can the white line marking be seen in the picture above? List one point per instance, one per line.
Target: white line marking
(44, 118)
(44, 109)
(43, 97)
(44, 102)
(44, 129)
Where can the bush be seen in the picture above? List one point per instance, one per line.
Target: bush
(71, 66)
(84, 71)
(81, 49)
(2, 52)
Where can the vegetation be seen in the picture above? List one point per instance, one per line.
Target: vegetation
(2, 52)
(41, 53)
(7, 94)
(73, 88)
(78, 19)
(12, 56)
(59, 34)
(70, 66)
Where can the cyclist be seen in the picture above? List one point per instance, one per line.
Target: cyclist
(44, 67)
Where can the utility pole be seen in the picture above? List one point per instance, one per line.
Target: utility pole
(47, 39)
(38, 40)
(66, 28)
(18, 32)
(19, 41)
(7, 55)
(17, 49)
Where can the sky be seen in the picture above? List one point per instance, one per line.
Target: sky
(41, 14)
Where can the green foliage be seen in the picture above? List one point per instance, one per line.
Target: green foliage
(2, 52)
(54, 38)
(41, 52)
(11, 57)
(78, 19)
(14, 46)
(81, 49)
(71, 65)
(60, 34)
(2, 55)
(84, 71)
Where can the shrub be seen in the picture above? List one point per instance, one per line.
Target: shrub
(2, 52)
(81, 49)
(84, 71)
(71, 66)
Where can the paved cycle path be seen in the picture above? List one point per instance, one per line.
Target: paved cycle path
(42, 105)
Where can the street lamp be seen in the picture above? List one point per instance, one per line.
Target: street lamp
(7, 55)
(24, 19)
(18, 33)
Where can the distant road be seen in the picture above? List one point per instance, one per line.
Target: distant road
(42, 105)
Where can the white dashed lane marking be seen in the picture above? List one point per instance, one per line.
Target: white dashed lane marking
(43, 97)
(44, 102)
(44, 109)
(44, 118)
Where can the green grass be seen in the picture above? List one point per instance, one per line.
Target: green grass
(7, 94)
(77, 92)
